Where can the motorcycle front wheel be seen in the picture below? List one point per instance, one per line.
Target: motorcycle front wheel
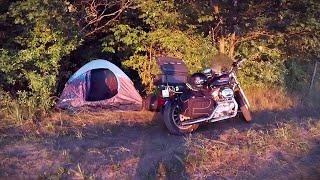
(171, 117)
(245, 113)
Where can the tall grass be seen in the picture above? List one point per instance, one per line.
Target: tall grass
(278, 99)
(270, 98)
(23, 107)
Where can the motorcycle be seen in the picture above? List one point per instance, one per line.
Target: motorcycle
(207, 96)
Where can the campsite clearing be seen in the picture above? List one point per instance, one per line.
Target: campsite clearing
(279, 144)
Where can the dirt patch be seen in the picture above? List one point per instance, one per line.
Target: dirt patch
(136, 145)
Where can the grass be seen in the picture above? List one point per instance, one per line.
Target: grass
(270, 98)
(90, 145)
(251, 149)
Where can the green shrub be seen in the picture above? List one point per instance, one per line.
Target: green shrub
(19, 109)
(46, 31)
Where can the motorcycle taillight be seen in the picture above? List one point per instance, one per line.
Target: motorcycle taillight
(171, 93)
(161, 102)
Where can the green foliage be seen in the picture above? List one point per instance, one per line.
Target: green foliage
(163, 37)
(264, 65)
(47, 32)
(267, 33)
(298, 75)
(19, 109)
(280, 39)
(195, 50)
(158, 14)
(268, 38)
(9, 68)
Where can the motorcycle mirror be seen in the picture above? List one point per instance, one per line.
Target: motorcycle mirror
(238, 58)
(244, 59)
(240, 61)
(207, 71)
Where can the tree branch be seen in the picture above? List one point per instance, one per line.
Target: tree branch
(101, 13)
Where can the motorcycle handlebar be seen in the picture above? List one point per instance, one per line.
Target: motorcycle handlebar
(237, 63)
(239, 60)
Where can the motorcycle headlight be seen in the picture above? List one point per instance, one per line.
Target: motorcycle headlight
(227, 93)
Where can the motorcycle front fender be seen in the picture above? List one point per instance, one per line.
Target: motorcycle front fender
(241, 98)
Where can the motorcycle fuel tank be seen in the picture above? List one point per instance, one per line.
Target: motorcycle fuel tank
(220, 80)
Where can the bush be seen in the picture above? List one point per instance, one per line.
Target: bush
(45, 32)
(19, 109)
(196, 51)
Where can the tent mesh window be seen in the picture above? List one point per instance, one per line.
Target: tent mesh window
(103, 85)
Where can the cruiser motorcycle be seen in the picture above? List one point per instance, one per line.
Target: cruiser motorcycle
(207, 96)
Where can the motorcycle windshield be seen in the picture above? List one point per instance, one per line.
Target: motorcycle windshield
(221, 63)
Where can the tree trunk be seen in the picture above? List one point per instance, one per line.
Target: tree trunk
(221, 45)
(149, 69)
(313, 76)
(232, 44)
(215, 29)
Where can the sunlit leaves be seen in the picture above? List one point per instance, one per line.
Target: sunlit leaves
(195, 50)
(48, 32)
(158, 13)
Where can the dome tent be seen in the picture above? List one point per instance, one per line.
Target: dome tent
(100, 83)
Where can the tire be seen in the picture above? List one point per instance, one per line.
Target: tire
(147, 103)
(171, 112)
(245, 113)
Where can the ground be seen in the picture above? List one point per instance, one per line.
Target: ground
(281, 143)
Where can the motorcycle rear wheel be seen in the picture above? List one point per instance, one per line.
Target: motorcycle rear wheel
(171, 117)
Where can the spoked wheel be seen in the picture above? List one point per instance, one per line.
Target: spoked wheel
(171, 115)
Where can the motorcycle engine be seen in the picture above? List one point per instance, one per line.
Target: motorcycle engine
(224, 97)
(225, 109)
(222, 94)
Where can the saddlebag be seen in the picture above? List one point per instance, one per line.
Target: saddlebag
(198, 106)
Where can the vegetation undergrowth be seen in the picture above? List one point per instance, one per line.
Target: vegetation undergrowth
(235, 153)
(43, 42)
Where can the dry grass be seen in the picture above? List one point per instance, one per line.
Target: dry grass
(246, 154)
(270, 99)
(111, 145)
(257, 152)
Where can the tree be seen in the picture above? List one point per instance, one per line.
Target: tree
(157, 34)
(45, 31)
(279, 38)
(99, 15)
(268, 33)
